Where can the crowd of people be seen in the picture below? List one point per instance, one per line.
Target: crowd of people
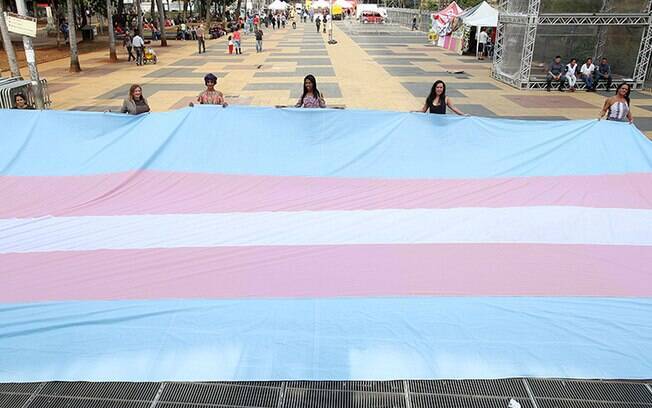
(615, 108)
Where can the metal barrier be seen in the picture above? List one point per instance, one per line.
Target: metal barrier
(404, 18)
(10, 87)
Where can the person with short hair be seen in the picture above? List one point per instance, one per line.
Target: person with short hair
(617, 107)
(20, 102)
(587, 71)
(311, 97)
(138, 45)
(556, 73)
(211, 96)
(201, 42)
(135, 103)
(483, 38)
(414, 23)
(259, 39)
(603, 73)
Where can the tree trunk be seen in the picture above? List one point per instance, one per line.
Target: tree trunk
(113, 57)
(139, 19)
(161, 22)
(237, 12)
(208, 12)
(120, 10)
(72, 37)
(8, 46)
(84, 19)
(151, 11)
(57, 22)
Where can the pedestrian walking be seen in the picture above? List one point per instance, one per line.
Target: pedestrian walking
(138, 44)
(230, 44)
(237, 42)
(135, 103)
(259, 40)
(414, 23)
(201, 42)
(126, 42)
(318, 23)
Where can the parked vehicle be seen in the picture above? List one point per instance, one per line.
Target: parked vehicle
(371, 17)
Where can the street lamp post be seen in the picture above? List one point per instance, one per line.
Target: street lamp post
(31, 60)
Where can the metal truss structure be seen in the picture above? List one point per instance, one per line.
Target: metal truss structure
(517, 23)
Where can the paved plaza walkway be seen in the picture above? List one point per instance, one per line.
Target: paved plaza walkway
(371, 67)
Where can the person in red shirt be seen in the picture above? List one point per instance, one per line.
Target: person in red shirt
(256, 21)
(236, 42)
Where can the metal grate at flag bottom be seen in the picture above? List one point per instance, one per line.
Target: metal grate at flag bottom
(523, 392)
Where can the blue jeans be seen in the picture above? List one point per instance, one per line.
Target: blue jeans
(588, 80)
(259, 45)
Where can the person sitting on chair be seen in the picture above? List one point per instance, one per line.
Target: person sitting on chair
(603, 73)
(588, 71)
(556, 73)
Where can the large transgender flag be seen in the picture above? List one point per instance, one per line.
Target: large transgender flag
(266, 244)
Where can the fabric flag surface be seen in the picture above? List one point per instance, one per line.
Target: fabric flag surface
(267, 244)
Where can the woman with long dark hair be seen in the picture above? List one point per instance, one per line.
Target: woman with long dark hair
(437, 101)
(311, 97)
(135, 103)
(617, 106)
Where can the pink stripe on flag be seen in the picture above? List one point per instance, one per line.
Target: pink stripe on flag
(178, 193)
(329, 271)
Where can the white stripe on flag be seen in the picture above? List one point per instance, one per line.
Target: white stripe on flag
(543, 225)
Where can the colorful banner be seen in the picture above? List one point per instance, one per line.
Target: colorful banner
(267, 244)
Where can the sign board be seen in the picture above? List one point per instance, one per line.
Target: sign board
(22, 25)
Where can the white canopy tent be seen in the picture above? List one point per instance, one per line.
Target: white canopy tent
(360, 8)
(483, 15)
(278, 5)
(345, 4)
(320, 4)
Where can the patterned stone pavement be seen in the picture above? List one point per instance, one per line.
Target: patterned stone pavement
(371, 67)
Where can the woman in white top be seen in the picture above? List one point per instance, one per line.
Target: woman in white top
(571, 74)
(617, 107)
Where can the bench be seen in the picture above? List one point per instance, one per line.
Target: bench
(539, 82)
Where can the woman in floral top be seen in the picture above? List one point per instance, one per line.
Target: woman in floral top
(211, 96)
(311, 97)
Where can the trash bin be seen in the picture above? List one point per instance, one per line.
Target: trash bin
(87, 33)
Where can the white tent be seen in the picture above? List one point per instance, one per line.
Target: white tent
(345, 4)
(320, 4)
(482, 15)
(278, 5)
